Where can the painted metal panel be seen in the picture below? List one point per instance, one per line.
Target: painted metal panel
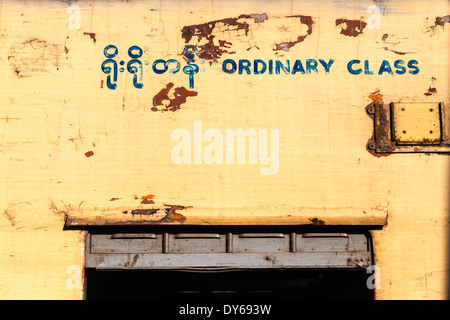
(246, 251)
(100, 98)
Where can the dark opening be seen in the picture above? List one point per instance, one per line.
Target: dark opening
(256, 284)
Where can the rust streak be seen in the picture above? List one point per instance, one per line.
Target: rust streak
(380, 139)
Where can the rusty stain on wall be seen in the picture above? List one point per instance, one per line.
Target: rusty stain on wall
(180, 97)
(380, 129)
(89, 154)
(351, 28)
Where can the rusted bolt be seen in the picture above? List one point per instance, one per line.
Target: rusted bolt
(371, 145)
(404, 131)
(403, 109)
(431, 110)
(431, 131)
(371, 110)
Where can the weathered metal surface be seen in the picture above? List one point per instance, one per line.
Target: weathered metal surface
(373, 217)
(249, 250)
(416, 123)
(95, 95)
(408, 127)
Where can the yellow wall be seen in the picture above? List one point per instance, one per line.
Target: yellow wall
(55, 108)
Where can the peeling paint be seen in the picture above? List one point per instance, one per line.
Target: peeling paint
(148, 199)
(351, 28)
(306, 20)
(171, 214)
(91, 35)
(180, 97)
(144, 211)
(213, 48)
(430, 91)
(440, 21)
(316, 221)
(376, 97)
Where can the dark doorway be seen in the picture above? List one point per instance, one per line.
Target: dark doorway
(287, 284)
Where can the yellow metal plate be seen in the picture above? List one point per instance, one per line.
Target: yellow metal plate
(416, 123)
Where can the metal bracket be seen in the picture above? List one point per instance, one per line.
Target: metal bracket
(412, 127)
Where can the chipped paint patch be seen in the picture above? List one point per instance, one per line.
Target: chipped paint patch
(205, 37)
(376, 97)
(351, 28)
(169, 214)
(440, 21)
(148, 199)
(180, 97)
(144, 211)
(430, 91)
(172, 215)
(91, 35)
(317, 222)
